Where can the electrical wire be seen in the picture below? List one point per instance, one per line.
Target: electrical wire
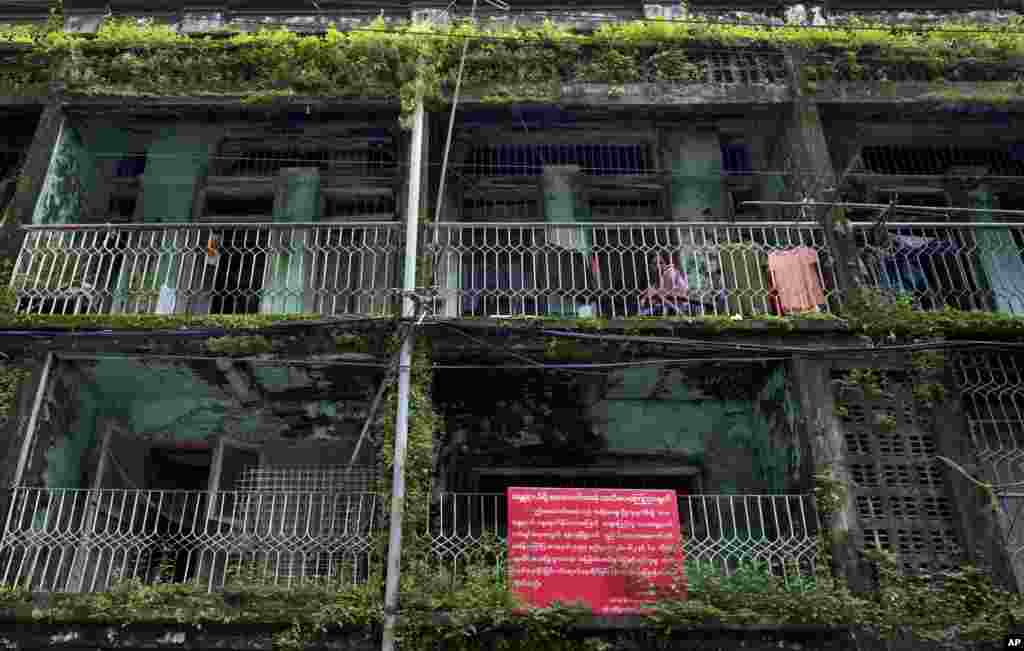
(534, 363)
(652, 362)
(375, 405)
(794, 350)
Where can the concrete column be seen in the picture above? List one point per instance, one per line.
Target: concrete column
(566, 272)
(824, 440)
(696, 184)
(30, 183)
(803, 155)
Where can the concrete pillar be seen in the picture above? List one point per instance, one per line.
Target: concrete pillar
(297, 199)
(803, 155)
(824, 440)
(30, 183)
(567, 247)
(696, 188)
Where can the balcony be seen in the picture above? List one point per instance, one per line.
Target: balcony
(610, 270)
(208, 268)
(966, 266)
(82, 540)
(71, 540)
(719, 531)
(592, 269)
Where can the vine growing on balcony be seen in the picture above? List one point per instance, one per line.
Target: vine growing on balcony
(504, 63)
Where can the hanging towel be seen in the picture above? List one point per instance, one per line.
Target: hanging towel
(1001, 260)
(795, 277)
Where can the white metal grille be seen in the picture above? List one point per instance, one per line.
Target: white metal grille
(991, 388)
(303, 479)
(967, 266)
(68, 540)
(605, 268)
(721, 530)
(299, 514)
(209, 268)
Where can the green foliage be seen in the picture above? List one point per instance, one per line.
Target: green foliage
(240, 345)
(11, 379)
(503, 64)
(867, 380)
(423, 423)
(150, 321)
(351, 343)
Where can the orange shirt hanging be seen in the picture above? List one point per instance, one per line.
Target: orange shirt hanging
(794, 274)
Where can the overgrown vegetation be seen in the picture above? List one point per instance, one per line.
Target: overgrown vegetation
(503, 64)
(955, 609)
(239, 345)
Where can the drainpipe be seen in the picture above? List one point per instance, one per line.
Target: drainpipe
(30, 429)
(404, 362)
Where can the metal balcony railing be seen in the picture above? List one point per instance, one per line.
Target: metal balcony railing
(967, 266)
(71, 540)
(610, 269)
(723, 531)
(214, 268)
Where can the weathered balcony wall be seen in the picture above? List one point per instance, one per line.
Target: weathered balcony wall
(303, 416)
(735, 422)
(729, 429)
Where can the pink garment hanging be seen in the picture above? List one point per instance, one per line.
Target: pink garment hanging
(794, 275)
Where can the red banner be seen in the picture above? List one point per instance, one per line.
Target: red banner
(614, 549)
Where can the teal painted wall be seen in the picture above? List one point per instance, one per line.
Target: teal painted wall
(64, 461)
(67, 185)
(300, 202)
(175, 162)
(743, 445)
(169, 399)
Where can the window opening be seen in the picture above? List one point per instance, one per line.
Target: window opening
(240, 269)
(367, 207)
(173, 471)
(131, 166)
(896, 159)
(218, 205)
(529, 159)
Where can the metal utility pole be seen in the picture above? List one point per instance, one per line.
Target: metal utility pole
(412, 211)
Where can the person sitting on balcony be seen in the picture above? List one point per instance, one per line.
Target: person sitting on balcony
(671, 289)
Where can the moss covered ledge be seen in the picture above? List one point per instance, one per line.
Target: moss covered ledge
(896, 321)
(155, 321)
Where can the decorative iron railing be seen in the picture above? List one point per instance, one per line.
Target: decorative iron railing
(967, 266)
(723, 531)
(611, 269)
(215, 268)
(71, 540)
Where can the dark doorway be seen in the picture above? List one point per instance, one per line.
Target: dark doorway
(239, 276)
(178, 479)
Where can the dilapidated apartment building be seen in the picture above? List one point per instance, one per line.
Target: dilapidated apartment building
(726, 221)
